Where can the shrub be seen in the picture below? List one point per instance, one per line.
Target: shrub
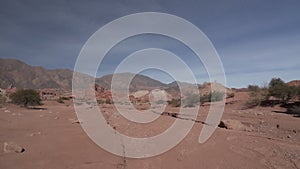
(2, 101)
(174, 102)
(212, 97)
(191, 100)
(26, 97)
(160, 102)
(105, 101)
(108, 101)
(257, 95)
(101, 101)
(62, 99)
(253, 88)
(230, 95)
(280, 90)
(217, 96)
(294, 110)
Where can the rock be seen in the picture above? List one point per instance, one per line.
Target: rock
(248, 129)
(6, 111)
(77, 121)
(288, 136)
(34, 134)
(259, 114)
(232, 125)
(10, 147)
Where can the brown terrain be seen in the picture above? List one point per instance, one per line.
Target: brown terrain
(50, 136)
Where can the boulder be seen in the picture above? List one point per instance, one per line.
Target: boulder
(232, 125)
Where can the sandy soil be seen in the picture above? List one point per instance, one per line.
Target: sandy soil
(51, 139)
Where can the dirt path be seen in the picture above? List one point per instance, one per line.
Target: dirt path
(52, 139)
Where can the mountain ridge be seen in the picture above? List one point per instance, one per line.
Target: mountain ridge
(21, 75)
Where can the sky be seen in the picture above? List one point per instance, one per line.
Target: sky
(256, 40)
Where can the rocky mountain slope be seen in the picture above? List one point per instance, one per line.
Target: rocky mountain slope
(22, 75)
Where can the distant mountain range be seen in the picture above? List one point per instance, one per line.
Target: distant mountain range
(21, 75)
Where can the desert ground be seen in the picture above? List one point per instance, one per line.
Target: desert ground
(53, 138)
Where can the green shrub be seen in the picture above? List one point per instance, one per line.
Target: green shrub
(257, 95)
(212, 97)
(191, 100)
(253, 88)
(279, 89)
(26, 97)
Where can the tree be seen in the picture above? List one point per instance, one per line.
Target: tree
(253, 88)
(257, 95)
(26, 97)
(280, 90)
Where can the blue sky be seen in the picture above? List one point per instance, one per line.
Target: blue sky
(256, 40)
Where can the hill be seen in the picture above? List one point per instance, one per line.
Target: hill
(139, 82)
(22, 75)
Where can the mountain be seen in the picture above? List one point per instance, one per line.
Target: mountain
(22, 75)
(139, 82)
(295, 83)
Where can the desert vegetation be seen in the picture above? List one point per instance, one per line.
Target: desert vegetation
(213, 96)
(174, 102)
(62, 99)
(2, 101)
(276, 92)
(26, 98)
(192, 99)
